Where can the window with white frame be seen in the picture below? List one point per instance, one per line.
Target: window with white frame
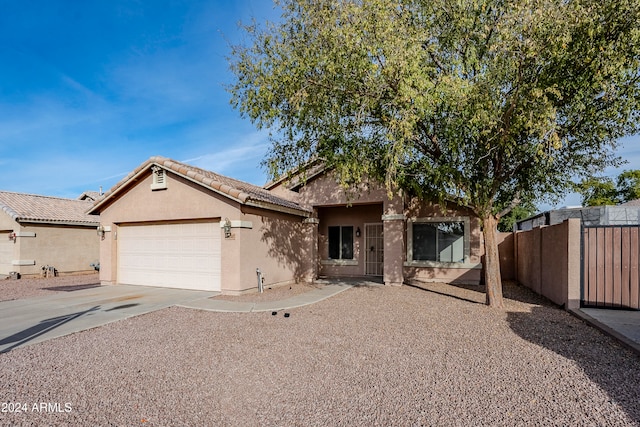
(438, 240)
(341, 242)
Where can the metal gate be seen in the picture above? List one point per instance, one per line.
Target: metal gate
(610, 266)
(374, 249)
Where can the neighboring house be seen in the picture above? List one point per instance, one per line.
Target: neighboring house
(38, 231)
(171, 224)
(91, 196)
(624, 214)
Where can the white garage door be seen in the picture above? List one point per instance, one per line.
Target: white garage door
(6, 253)
(185, 255)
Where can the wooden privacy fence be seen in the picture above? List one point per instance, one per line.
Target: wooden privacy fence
(610, 266)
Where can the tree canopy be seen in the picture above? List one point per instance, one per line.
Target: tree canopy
(483, 103)
(599, 191)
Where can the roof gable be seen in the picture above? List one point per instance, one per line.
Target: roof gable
(32, 208)
(239, 191)
(299, 177)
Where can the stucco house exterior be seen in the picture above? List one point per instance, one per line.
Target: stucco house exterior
(38, 231)
(392, 236)
(171, 224)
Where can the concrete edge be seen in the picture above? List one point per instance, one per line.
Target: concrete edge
(219, 305)
(307, 298)
(624, 340)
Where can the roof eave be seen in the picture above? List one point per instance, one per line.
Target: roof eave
(13, 214)
(282, 209)
(57, 222)
(203, 181)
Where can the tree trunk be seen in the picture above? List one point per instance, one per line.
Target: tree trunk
(492, 278)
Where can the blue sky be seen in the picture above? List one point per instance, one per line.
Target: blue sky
(91, 89)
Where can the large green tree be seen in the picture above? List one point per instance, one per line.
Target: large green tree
(482, 103)
(599, 191)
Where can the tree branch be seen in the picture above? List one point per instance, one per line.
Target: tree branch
(515, 202)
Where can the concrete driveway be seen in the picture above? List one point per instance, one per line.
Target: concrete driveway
(33, 320)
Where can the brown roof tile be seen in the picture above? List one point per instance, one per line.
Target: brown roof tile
(54, 210)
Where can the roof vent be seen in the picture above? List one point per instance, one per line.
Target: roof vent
(159, 178)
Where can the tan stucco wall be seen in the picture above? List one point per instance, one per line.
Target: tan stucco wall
(469, 272)
(356, 216)
(324, 192)
(246, 249)
(279, 245)
(506, 251)
(70, 249)
(548, 261)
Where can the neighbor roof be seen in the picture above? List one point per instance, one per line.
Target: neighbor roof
(90, 195)
(32, 208)
(298, 177)
(240, 191)
(634, 202)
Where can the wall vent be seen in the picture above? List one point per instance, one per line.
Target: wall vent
(159, 178)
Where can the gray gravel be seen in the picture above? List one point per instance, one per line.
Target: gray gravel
(370, 356)
(39, 286)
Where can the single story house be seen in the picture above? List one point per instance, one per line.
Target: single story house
(38, 231)
(175, 225)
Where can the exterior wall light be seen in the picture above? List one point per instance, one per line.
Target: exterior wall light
(100, 230)
(12, 236)
(358, 232)
(227, 228)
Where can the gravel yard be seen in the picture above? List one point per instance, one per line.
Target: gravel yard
(371, 356)
(38, 286)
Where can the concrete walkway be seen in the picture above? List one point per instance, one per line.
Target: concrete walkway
(33, 320)
(623, 325)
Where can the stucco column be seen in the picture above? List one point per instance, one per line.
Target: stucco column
(393, 220)
(573, 264)
(311, 243)
(393, 226)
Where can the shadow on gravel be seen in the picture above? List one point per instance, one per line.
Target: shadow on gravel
(72, 288)
(612, 367)
(41, 328)
(427, 288)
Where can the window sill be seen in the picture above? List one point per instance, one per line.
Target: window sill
(437, 264)
(339, 262)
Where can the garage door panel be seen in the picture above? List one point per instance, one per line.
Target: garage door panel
(170, 255)
(6, 253)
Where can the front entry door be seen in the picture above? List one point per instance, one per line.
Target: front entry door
(374, 249)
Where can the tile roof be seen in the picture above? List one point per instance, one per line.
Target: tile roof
(635, 202)
(51, 210)
(91, 195)
(240, 191)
